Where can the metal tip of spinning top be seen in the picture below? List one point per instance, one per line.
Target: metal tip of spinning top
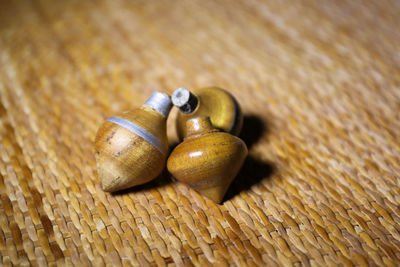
(183, 99)
(160, 102)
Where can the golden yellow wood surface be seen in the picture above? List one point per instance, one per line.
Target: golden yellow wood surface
(319, 85)
(216, 103)
(207, 159)
(125, 159)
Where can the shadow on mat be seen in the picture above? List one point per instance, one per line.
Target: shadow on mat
(253, 170)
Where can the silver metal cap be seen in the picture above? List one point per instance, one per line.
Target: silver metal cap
(183, 99)
(160, 102)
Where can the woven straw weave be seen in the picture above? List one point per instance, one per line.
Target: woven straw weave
(318, 82)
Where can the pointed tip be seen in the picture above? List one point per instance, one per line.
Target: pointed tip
(106, 187)
(108, 181)
(110, 177)
(216, 199)
(216, 194)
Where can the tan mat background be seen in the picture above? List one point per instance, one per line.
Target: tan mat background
(319, 82)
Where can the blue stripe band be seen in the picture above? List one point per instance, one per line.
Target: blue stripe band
(141, 132)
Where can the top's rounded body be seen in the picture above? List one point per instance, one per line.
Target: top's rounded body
(131, 148)
(208, 160)
(222, 108)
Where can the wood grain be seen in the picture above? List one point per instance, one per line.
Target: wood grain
(216, 103)
(124, 158)
(207, 159)
(319, 85)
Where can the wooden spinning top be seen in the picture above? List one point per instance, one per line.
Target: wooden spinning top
(131, 148)
(222, 108)
(208, 160)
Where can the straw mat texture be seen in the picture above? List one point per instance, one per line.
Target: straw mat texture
(318, 82)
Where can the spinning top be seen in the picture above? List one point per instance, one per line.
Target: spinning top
(131, 148)
(208, 160)
(218, 104)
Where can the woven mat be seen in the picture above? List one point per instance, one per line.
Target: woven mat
(318, 82)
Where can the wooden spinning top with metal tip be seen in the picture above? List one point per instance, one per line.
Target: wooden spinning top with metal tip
(131, 149)
(222, 108)
(207, 160)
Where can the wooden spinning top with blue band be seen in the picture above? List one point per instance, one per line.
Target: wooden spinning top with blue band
(131, 148)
